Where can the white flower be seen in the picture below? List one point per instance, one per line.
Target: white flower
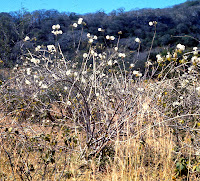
(51, 48)
(44, 86)
(69, 103)
(35, 61)
(132, 65)
(38, 48)
(26, 38)
(191, 69)
(195, 48)
(194, 59)
(115, 62)
(140, 89)
(75, 74)
(107, 37)
(137, 40)
(135, 72)
(28, 70)
(90, 40)
(35, 76)
(181, 47)
(68, 72)
(27, 82)
(40, 83)
(102, 75)
(195, 52)
(112, 38)
(57, 26)
(100, 56)
(92, 52)
(75, 25)
(150, 23)
(110, 62)
(57, 32)
(97, 94)
(148, 63)
(54, 27)
(116, 48)
(88, 35)
(154, 22)
(95, 37)
(176, 103)
(99, 29)
(184, 83)
(198, 90)
(80, 20)
(168, 56)
(159, 58)
(24, 64)
(122, 55)
(85, 55)
(175, 55)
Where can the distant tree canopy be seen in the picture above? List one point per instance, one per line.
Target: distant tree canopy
(179, 20)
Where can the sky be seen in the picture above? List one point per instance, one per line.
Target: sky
(84, 6)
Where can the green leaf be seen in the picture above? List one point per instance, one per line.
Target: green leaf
(198, 169)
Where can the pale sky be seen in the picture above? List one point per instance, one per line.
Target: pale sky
(84, 6)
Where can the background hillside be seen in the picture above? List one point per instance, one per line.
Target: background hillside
(179, 20)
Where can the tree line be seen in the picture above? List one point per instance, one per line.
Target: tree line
(180, 23)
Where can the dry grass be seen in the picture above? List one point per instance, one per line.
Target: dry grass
(140, 156)
(143, 149)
